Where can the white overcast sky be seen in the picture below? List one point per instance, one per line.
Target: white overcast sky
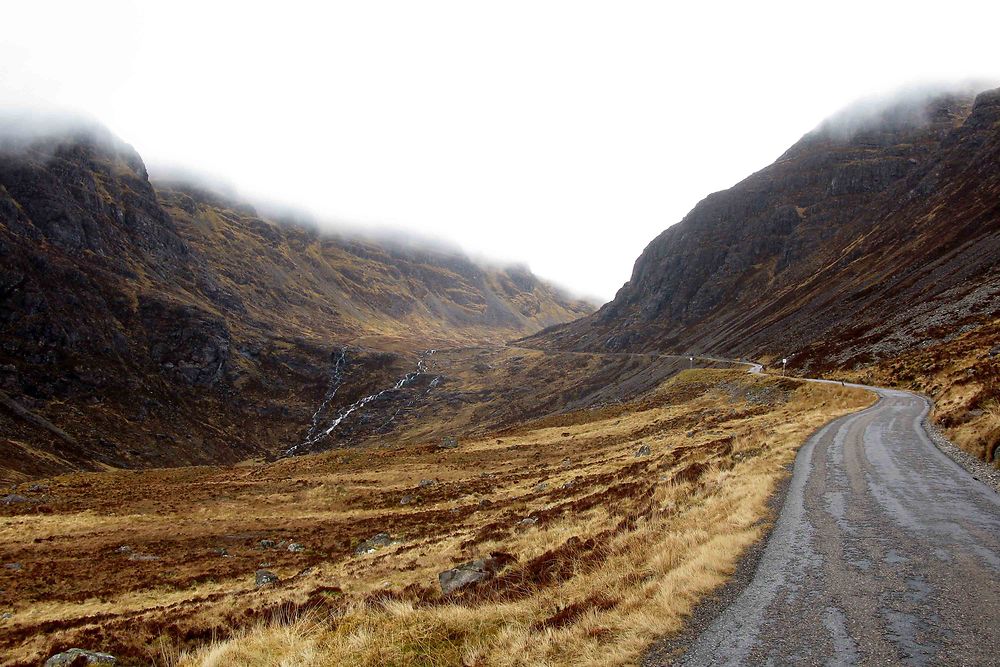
(564, 135)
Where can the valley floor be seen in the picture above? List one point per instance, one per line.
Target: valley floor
(606, 522)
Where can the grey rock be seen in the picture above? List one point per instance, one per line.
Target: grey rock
(566, 463)
(468, 574)
(644, 450)
(14, 566)
(220, 551)
(78, 656)
(295, 548)
(267, 544)
(528, 521)
(38, 488)
(540, 487)
(407, 500)
(448, 442)
(123, 549)
(373, 543)
(16, 499)
(427, 482)
(265, 578)
(143, 557)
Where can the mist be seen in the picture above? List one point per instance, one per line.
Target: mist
(560, 135)
(905, 107)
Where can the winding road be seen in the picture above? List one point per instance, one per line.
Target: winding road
(885, 552)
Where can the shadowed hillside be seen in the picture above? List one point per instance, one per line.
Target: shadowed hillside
(145, 325)
(864, 243)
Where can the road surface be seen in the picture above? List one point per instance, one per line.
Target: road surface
(885, 552)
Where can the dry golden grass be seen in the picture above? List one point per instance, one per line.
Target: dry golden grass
(962, 375)
(622, 548)
(657, 548)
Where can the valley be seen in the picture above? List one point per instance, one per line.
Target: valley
(586, 495)
(230, 436)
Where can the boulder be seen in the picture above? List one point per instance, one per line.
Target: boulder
(448, 442)
(471, 573)
(265, 578)
(426, 482)
(644, 450)
(407, 500)
(15, 499)
(267, 544)
(295, 547)
(78, 656)
(373, 544)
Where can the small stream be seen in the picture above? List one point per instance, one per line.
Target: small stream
(336, 379)
(318, 432)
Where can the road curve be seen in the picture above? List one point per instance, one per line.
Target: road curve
(885, 552)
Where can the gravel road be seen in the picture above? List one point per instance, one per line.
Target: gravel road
(885, 552)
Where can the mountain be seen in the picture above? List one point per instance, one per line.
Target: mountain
(872, 246)
(162, 324)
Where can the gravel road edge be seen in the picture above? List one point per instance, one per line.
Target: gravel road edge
(980, 470)
(670, 649)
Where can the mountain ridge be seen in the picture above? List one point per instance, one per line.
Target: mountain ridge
(843, 256)
(167, 325)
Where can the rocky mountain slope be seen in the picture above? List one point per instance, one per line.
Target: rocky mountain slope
(868, 239)
(160, 324)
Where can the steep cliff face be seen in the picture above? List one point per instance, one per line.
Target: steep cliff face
(168, 326)
(870, 251)
(847, 249)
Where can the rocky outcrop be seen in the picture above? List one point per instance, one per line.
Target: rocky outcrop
(472, 573)
(264, 578)
(187, 343)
